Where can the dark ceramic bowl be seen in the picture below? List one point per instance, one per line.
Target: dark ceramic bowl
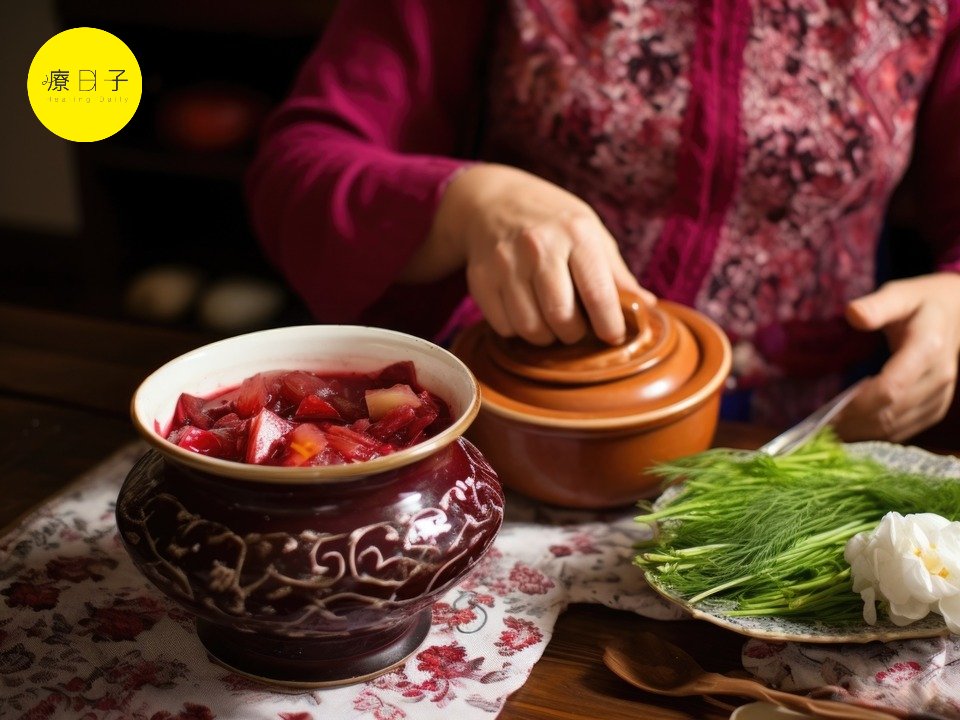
(309, 576)
(580, 425)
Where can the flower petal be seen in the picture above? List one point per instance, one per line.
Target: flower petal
(908, 612)
(949, 607)
(869, 597)
(912, 564)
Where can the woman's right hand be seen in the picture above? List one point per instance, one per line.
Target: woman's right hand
(530, 249)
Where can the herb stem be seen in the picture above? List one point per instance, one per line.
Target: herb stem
(760, 535)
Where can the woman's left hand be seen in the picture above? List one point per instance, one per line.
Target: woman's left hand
(921, 319)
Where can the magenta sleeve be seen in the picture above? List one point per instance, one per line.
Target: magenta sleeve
(352, 165)
(938, 152)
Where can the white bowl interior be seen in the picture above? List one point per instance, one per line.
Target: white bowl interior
(225, 364)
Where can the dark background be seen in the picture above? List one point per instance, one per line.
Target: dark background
(79, 222)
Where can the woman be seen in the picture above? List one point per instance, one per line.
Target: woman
(732, 155)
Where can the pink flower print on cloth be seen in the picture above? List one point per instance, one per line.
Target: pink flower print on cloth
(85, 634)
(909, 675)
(82, 633)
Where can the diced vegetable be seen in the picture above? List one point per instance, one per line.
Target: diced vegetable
(355, 446)
(298, 385)
(298, 418)
(204, 442)
(303, 444)
(395, 421)
(403, 373)
(381, 401)
(266, 431)
(315, 408)
(190, 412)
(252, 396)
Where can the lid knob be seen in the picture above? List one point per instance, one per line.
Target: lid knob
(650, 337)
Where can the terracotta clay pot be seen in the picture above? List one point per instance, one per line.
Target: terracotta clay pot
(579, 425)
(309, 576)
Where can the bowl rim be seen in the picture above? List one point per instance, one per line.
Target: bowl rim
(317, 474)
(714, 344)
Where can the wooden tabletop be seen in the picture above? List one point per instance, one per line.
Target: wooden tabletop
(65, 386)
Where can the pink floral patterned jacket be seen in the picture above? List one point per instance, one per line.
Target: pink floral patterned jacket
(743, 153)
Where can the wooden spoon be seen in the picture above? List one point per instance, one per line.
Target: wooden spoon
(655, 665)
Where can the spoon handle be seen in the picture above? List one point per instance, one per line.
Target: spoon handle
(713, 682)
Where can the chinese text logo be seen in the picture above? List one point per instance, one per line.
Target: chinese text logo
(84, 84)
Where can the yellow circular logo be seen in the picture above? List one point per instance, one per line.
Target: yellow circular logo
(84, 84)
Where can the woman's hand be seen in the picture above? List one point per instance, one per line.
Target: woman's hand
(530, 249)
(921, 319)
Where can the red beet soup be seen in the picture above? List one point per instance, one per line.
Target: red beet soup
(299, 418)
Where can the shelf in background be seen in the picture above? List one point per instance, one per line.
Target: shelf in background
(214, 166)
(167, 190)
(290, 18)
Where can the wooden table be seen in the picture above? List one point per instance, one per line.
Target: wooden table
(65, 385)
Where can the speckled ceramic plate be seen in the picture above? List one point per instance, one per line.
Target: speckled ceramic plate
(908, 459)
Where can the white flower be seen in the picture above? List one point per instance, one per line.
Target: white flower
(912, 563)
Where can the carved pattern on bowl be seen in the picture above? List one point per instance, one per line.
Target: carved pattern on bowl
(311, 583)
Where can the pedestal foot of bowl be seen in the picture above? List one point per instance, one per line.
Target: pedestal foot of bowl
(312, 662)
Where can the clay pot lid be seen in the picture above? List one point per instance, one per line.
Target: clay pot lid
(671, 354)
(651, 338)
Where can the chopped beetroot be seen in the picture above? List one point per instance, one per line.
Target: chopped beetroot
(229, 420)
(353, 445)
(190, 412)
(349, 408)
(426, 417)
(403, 373)
(252, 396)
(315, 408)
(298, 385)
(204, 442)
(233, 431)
(433, 409)
(298, 418)
(361, 425)
(217, 408)
(266, 431)
(390, 425)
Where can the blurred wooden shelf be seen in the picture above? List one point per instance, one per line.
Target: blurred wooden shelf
(214, 166)
(290, 18)
(147, 197)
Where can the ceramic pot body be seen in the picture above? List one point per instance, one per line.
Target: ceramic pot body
(311, 583)
(309, 576)
(581, 425)
(590, 468)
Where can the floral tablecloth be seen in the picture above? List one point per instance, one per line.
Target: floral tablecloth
(82, 634)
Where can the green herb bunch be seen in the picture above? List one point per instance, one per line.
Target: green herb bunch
(759, 535)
